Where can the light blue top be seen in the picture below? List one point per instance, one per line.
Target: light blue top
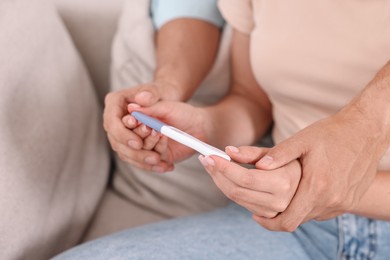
(164, 11)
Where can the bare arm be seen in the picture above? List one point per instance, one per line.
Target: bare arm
(245, 114)
(186, 50)
(375, 202)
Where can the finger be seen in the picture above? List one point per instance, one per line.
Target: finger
(147, 97)
(114, 111)
(160, 110)
(132, 107)
(257, 202)
(295, 214)
(281, 154)
(147, 160)
(246, 154)
(115, 145)
(252, 179)
(114, 108)
(139, 156)
(261, 211)
(124, 136)
(230, 189)
(130, 122)
(151, 140)
(162, 148)
(142, 131)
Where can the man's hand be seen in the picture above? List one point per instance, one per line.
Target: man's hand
(339, 157)
(125, 135)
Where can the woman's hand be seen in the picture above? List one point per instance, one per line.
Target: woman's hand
(264, 193)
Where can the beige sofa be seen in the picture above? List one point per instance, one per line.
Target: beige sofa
(54, 158)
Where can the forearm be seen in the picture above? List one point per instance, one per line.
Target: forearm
(375, 202)
(237, 121)
(186, 50)
(371, 110)
(245, 114)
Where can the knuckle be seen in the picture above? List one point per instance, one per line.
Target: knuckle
(285, 186)
(114, 145)
(122, 157)
(270, 214)
(288, 226)
(281, 206)
(235, 194)
(319, 187)
(109, 97)
(247, 179)
(106, 126)
(223, 169)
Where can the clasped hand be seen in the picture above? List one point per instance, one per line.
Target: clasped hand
(264, 193)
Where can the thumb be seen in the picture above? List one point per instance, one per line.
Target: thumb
(147, 97)
(281, 154)
(160, 110)
(246, 154)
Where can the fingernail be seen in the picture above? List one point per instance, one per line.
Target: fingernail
(131, 121)
(266, 160)
(134, 144)
(144, 95)
(206, 161)
(144, 129)
(154, 132)
(201, 159)
(233, 149)
(134, 105)
(151, 160)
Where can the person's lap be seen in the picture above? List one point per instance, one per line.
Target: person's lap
(228, 233)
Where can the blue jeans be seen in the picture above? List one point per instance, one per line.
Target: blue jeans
(230, 233)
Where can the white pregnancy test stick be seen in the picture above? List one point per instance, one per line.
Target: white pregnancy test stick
(179, 136)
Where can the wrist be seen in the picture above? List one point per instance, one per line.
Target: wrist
(208, 127)
(168, 90)
(171, 86)
(372, 109)
(373, 102)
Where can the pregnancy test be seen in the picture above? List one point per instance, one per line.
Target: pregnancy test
(179, 136)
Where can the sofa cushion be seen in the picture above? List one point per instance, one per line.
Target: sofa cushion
(92, 25)
(53, 154)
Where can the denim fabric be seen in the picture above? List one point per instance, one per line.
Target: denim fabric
(230, 233)
(164, 11)
(363, 238)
